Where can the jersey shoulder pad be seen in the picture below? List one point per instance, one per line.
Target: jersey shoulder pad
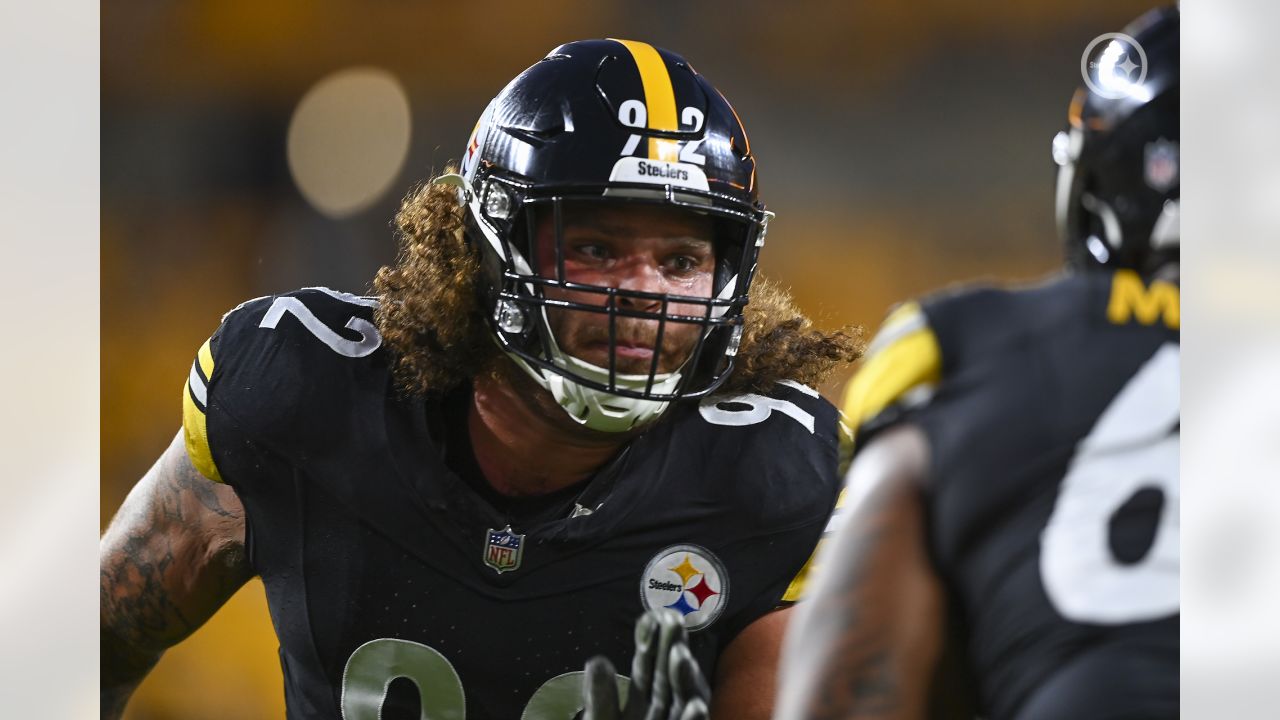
(976, 322)
(775, 453)
(903, 365)
(272, 365)
(922, 341)
(788, 409)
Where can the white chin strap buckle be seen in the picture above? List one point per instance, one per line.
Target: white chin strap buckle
(598, 409)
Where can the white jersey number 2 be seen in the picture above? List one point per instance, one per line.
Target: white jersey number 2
(1133, 446)
(369, 337)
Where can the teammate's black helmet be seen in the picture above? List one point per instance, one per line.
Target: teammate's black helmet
(1118, 178)
(619, 121)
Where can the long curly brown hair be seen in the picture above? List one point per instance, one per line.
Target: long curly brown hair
(431, 317)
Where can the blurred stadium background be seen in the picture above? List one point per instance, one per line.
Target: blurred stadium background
(250, 147)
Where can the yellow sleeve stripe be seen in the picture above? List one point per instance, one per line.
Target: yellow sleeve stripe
(195, 430)
(906, 356)
(844, 456)
(796, 590)
(903, 319)
(205, 357)
(799, 584)
(659, 98)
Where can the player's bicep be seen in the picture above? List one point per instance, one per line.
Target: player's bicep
(173, 554)
(866, 640)
(746, 672)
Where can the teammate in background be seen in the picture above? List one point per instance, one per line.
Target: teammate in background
(558, 411)
(1015, 489)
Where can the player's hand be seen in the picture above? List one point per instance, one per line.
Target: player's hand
(666, 682)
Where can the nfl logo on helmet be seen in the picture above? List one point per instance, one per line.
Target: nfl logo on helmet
(503, 550)
(1161, 171)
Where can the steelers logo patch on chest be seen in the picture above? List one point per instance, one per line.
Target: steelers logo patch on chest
(687, 579)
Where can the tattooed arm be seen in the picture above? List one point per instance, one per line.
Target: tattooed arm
(173, 554)
(866, 642)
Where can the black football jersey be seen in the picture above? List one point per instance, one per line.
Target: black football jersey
(397, 589)
(1052, 417)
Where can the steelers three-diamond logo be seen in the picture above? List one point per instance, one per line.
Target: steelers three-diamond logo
(688, 579)
(1114, 66)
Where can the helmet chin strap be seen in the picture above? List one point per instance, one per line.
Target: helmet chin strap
(1167, 232)
(598, 409)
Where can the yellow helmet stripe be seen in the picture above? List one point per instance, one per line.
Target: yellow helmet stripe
(659, 98)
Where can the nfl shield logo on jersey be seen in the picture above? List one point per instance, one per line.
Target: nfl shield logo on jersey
(503, 550)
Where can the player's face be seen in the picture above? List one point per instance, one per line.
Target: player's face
(645, 248)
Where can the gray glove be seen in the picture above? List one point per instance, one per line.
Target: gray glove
(666, 682)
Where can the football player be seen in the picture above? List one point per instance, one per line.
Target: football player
(557, 411)
(1015, 488)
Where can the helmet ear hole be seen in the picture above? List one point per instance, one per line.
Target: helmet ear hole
(730, 240)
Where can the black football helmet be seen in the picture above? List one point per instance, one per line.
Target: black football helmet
(1117, 201)
(623, 122)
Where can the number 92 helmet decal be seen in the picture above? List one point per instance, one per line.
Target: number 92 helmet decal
(621, 122)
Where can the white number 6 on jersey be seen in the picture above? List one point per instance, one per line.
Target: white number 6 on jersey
(1133, 446)
(749, 408)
